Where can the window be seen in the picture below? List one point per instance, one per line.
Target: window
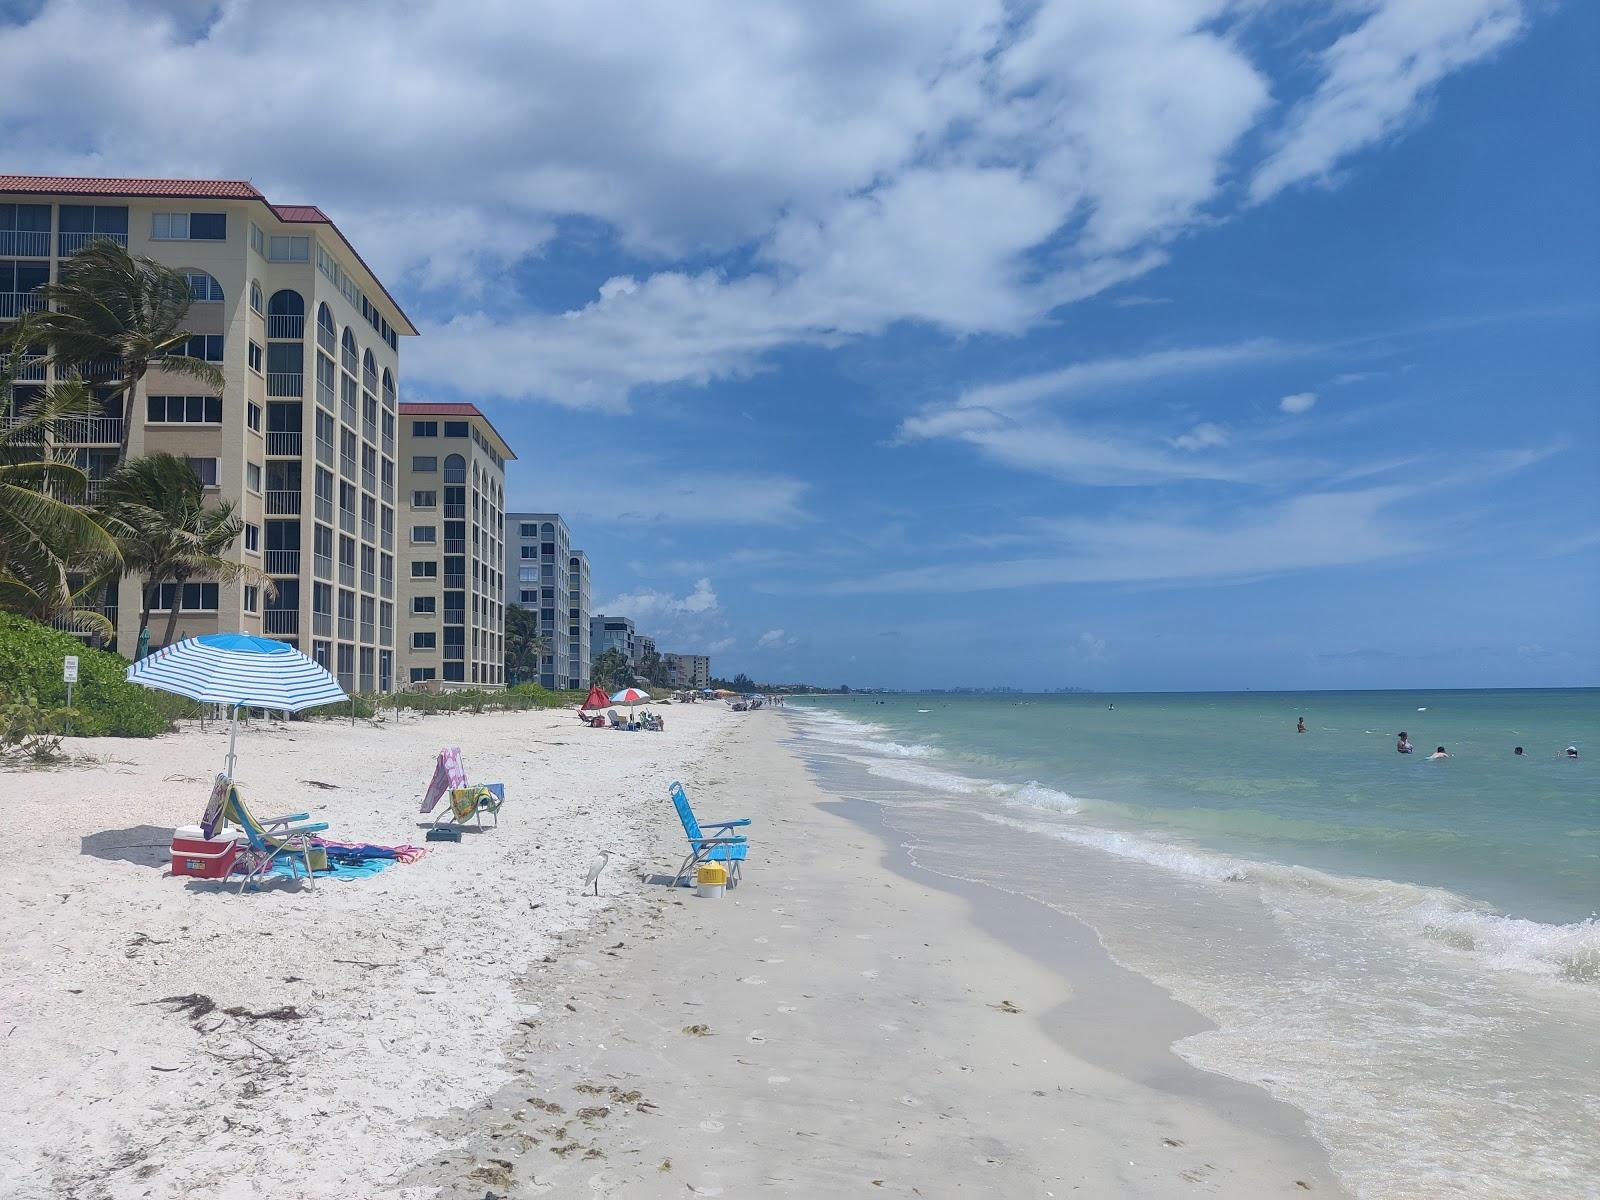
(424, 464)
(530, 552)
(457, 429)
(188, 410)
(455, 469)
(182, 226)
(424, 605)
(81, 223)
(255, 357)
(204, 345)
(256, 301)
(530, 597)
(419, 674)
(424, 429)
(195, 597)
(425, 533)
(424, 641)
(424, 499)
(252, 537)
(252, 598)
(203, 287)
(258, 242)
(252, 476)
(252, 416)
(424, 570)
(289, 249)
(528, 575)
(528, 530)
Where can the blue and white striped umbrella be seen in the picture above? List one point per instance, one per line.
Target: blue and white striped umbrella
(237, 670)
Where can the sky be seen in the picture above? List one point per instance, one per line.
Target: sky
(1122, 344)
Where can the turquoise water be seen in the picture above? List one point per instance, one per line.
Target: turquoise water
(1405, 949)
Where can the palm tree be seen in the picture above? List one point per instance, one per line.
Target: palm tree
(156, 508)
(525, 646)
(49, 546)
(111, 307)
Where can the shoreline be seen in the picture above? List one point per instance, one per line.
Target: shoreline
(846, 1021)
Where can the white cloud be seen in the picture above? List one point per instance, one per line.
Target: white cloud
(644, 606)
(1205, 436)
(773, 638)
(711, 498)
(1375, 77)
(721, 645)
(1300, 402)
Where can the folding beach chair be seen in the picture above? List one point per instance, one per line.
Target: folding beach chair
(467, 802)
(287, 836)
(726, 848)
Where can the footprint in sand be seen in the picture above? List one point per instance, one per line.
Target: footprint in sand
(910, 1101)
(755, 1036)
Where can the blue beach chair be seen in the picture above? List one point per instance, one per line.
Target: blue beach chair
(726, 848)
(288, 836)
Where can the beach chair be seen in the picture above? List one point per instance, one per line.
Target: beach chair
(288, 837)
(467, 801)
(727, 848)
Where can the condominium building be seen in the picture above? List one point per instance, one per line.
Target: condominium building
(643, 647)
(612, 633)
(578, 620)
(287, 309)
(688, 670)
(539, 579)
(452, 585)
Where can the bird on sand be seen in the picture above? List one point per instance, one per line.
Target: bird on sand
(598, 865)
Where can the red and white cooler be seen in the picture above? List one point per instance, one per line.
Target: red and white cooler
(201, 857)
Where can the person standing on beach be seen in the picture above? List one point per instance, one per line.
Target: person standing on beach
(1300, 727)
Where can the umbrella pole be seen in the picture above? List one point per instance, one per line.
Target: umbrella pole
(233, 732)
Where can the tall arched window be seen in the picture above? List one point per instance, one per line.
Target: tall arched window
(256, 301)
(369, 372)
(455, 469)
(347, 351)
(203, 288)
(286, 315)
(388, 388)
(325, 334)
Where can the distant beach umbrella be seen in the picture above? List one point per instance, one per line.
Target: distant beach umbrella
(237, 670)
(630, 696)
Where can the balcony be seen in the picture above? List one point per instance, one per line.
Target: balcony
(458, 511)
(283, 444)
(89, 431)
(325, 452)
(282, 562)
(25, 243)
(455, 582)
(347, 574)
(286, 327)
(282, 620)
(286, 383)
(455, 545)
(322, 566)
(367, 684)
(455, 653)
(68, 244)
(321, 624)
(455, 616)
(14, 304)
(283, 503)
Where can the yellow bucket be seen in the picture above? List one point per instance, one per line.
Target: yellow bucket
(712, 873)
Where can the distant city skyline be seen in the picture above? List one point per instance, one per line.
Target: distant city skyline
(1199, 346)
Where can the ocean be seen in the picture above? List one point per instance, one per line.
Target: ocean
(1407, 950)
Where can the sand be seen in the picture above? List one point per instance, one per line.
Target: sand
(842, 1023)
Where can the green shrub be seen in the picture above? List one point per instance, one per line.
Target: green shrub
(104, 703)
(30, 734)
(469, 700)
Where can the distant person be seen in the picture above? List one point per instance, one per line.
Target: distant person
(1518, 752)
(1439, 752)
(1572, 752)
(1300, 726)
(1404, 745)
(1111, 707)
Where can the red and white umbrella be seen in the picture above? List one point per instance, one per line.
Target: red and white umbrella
(630, 696)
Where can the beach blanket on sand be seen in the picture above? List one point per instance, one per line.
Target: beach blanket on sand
(354, 860)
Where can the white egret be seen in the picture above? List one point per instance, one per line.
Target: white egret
(598, 865)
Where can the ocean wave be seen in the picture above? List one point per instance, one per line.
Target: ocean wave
(859, 735)
(1032, 793)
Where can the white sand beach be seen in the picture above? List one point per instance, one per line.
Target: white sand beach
(470, 1025)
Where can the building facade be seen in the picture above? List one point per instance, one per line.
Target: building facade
(452, 584)
(308, 341)
(688, 670)
(612, 633)
(578, 620)
(643, 647)
(538, 548)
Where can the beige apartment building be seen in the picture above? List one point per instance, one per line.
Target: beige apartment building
(303, 437)
(452, 585)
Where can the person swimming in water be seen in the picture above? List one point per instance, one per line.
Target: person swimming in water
(1518, 752)
(1441, 752)
(1404, 745)
(1300, 726)
(1572, 752)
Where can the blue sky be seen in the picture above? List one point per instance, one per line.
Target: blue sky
(1119, 343)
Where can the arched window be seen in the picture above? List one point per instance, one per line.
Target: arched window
(256, 301)
(388, 388)
(286, 315)
(347, 351)
(325, 334)
(369, 372)
(455, 469)
(203, 288)
(547, 530)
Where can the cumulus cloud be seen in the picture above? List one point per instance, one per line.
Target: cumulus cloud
(646, 605)
(1204, 436)
(1299, 402)
(773, 638)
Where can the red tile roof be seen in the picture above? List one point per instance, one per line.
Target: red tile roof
(298, 213)
(440, 408)
(208, 189)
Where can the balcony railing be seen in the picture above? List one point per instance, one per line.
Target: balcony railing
(322, 565)
(325, 452)
(14, 304)
(455, 545)
(455, 653)
(282, 503)
(31, 369)
(347, 629)
(283, 444)
(70, 243)
(347, 680)
(455, 616)
(455, 510)
(282, 562)
(90, 431)
(321, 624)
(347, 574)
(349, 361)
(282, 620)
(325, 509)
(25, 243)
(286, 327)
(286, 383)
(455, 582)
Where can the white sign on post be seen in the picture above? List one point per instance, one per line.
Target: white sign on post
(69, 669)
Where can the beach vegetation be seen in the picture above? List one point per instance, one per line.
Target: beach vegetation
(525, 645)
(521, 697)
(611, 670)
(104, 703)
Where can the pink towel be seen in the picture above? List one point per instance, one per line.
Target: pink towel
(447, 773)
